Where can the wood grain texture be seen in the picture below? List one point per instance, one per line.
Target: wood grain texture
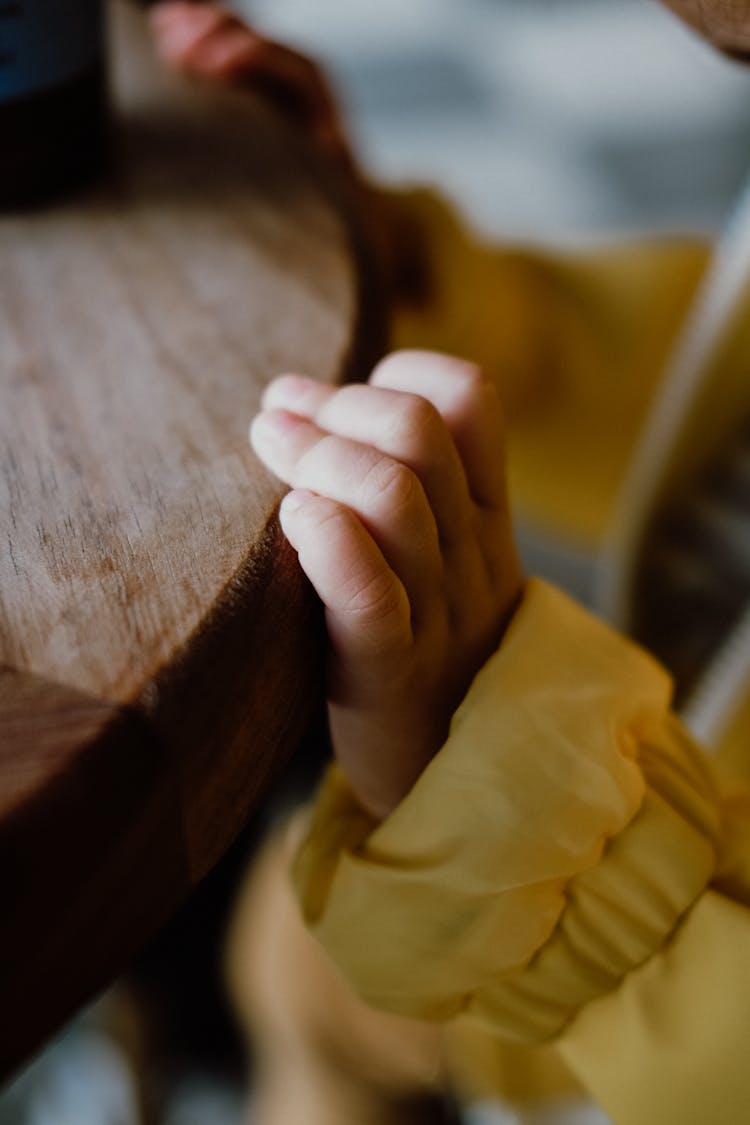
(160, 651)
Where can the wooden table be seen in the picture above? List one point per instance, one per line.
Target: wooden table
(158, 651)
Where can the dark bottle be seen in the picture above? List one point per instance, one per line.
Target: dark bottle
(53, 104)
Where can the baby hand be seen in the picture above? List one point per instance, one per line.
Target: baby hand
(399, 516)
(205, 40)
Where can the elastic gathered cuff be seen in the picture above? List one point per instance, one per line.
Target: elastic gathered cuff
(552, 843)
(625, 908)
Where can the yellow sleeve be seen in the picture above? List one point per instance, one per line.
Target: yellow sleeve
(670, 1044)
(564, 871)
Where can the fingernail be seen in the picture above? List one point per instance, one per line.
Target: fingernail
(273, 424)
(294, 500)
(286, 387)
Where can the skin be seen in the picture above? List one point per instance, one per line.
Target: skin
(397, 508)
(399, 516)
(205, 41)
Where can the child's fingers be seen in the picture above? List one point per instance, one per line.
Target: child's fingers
(178, 26)
(228, 51)
(404, 426)
(207, 40)
(384, 493)
(297, 393)
(165, 15)
(470, 406)
(367, 609)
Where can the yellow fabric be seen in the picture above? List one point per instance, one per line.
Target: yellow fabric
(576, 341)
(483, 1067)
(476, 862)
(550, 852)
(565, 873)
(670, 1045)
(621, 910)
(732, 757)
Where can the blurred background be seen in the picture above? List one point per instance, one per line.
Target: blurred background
(544, 120)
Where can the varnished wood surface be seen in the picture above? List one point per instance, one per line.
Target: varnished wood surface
(159, 655)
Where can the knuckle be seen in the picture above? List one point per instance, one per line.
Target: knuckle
(392, 483)
(416, 422)
(322, 521)
(327, 515)
(325, 451)
(480, 395)
(473, 381)
(381, 599)
(390, 365)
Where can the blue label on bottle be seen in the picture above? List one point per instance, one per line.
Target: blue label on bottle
(44, 43)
